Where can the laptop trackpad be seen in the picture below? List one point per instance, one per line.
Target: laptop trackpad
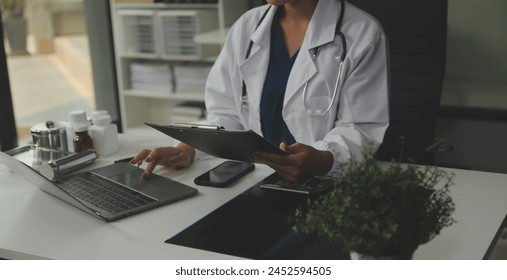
(116, 169)
(156, 186)
(130, 179)
(124, 174)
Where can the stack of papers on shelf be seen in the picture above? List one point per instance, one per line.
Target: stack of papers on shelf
(188, 112)
(151, 77)
(191, 77)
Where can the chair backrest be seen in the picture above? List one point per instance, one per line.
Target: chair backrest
(416, 30)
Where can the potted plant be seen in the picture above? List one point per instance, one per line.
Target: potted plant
(15, 25)
(381, 210)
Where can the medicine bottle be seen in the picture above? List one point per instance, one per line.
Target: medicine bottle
(104, 135)
(75, 117)
(82, 141)
(98, 113)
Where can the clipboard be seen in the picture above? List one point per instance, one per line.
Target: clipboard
(218, 142)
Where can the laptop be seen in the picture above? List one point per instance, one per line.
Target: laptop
(109, 193)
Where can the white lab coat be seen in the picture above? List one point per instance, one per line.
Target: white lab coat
(362, 114)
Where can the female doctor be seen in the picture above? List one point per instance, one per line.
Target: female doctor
(309, 75)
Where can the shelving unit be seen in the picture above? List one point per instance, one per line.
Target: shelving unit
(153, 36)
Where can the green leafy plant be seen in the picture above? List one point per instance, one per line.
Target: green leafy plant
(381, 209)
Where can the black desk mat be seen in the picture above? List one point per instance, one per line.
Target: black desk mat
(256, 225)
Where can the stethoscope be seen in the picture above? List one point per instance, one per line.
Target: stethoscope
(309, 111)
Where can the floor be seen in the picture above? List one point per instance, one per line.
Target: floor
(47, 87)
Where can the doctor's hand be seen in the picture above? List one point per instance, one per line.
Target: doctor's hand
(302, 162)
(180, 156)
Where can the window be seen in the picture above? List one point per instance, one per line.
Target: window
(476, 67)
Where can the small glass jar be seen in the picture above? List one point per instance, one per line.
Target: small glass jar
(75, 117)
(82, 141)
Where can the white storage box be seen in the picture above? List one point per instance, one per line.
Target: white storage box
(178, 29)
(138, 33)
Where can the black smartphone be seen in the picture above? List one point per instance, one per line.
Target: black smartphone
(224, 174)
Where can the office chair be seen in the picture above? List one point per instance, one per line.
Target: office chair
(416, 31)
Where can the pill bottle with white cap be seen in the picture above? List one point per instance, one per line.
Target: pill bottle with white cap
(75, 117)
(104, 135)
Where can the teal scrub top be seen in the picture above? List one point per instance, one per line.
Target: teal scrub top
(273, 126)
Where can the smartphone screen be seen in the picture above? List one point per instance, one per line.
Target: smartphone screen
(224, 174)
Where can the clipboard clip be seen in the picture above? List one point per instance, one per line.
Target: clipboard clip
(199, 126)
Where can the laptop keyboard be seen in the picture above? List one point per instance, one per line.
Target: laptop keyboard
(104, 193)
(314, 185)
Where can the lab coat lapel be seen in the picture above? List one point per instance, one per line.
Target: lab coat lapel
(253, 70)
(302, 71)
(321, 31)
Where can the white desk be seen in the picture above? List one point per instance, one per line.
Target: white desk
(36, 225)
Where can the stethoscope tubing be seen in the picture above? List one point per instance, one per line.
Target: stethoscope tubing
(244, 95)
